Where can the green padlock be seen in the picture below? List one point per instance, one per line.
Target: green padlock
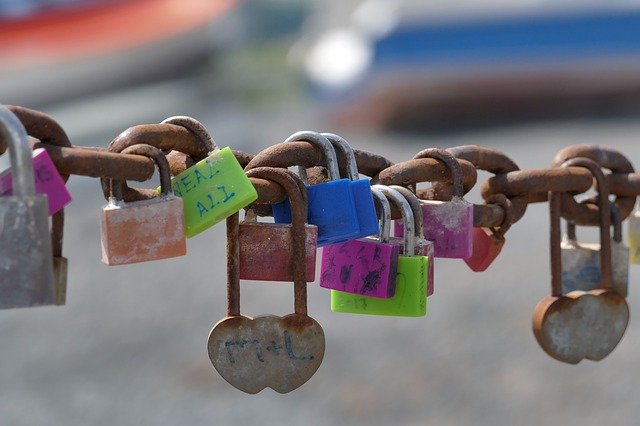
(410, 299)
(212, 189)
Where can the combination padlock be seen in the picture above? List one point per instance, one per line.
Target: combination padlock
(331, 205)
(266, 249)
(581, 262)
(360, 188)
(366, 266)
(410, 298)
(145, 230)
(449, 224)
(267, 351)
(25, 250)
(47, 180)
(215, 187)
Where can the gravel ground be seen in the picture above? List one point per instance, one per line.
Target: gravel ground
(129, 348)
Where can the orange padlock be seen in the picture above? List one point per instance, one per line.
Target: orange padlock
(488, 242)
(143, 230)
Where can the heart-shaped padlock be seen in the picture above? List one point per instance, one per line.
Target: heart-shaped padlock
(268, 351)
(581, 324)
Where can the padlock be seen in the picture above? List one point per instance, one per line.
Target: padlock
(266, 248)
(410, 298)
(366, 266)
(360, 188)
(581, 262)
(60, 263)
(26, 263)
(580, 325)
(424, 247)
(144, 230)
(331, 205)
(488, 242)
(215, 187)
(633, 237)
(449, 224)
(267, 351)
(47, 179)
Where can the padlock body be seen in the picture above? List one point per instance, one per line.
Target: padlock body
(634, 237)
(581, 267)
(486, 248)
(212, 189)
(449, 224)
(366, 267)
(423, 248)
(143, 230)
(409, 300)
(365, 208)
(330, 207)
(47, 179)
(60, 268)
(26, 265)
(266, 251)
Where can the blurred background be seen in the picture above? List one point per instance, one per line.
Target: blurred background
(527, 78)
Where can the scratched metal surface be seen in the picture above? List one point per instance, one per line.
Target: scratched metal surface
(130, 346)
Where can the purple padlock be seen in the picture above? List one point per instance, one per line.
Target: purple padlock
(47, 179)
(366, 266)
(449, 224)
(423, 246)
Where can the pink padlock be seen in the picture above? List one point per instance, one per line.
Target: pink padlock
(449, 224)
(48, 181)
(424, 247)
(366, 266)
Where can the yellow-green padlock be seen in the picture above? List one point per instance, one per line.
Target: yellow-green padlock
(212, 189)
(634, 237)
(410, 298)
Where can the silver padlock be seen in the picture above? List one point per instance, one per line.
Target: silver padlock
(581, 262)
(26, 262)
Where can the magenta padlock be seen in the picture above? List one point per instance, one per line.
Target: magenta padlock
(367, 266)
(424, 247)
(48, 181)
(449, 224)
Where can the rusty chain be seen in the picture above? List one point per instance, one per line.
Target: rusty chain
(506, 194)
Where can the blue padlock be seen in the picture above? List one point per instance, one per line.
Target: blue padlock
(361, 188)
(331, 205)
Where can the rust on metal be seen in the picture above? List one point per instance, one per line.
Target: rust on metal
(99, 163)
(268, 351)
(607, 158)
(572, 179)
(163, 136)
(580, 325)
(498, 163)
(424, 170)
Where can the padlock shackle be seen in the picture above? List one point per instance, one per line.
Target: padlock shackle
(383, 209)
(450, 162)
(416, 209)
(616, 221)
(315, 138)
(15, 136)
(555, 207)
(158, 157)
(407, 217)
(339, 143)
(297, 193)
(195, 127)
